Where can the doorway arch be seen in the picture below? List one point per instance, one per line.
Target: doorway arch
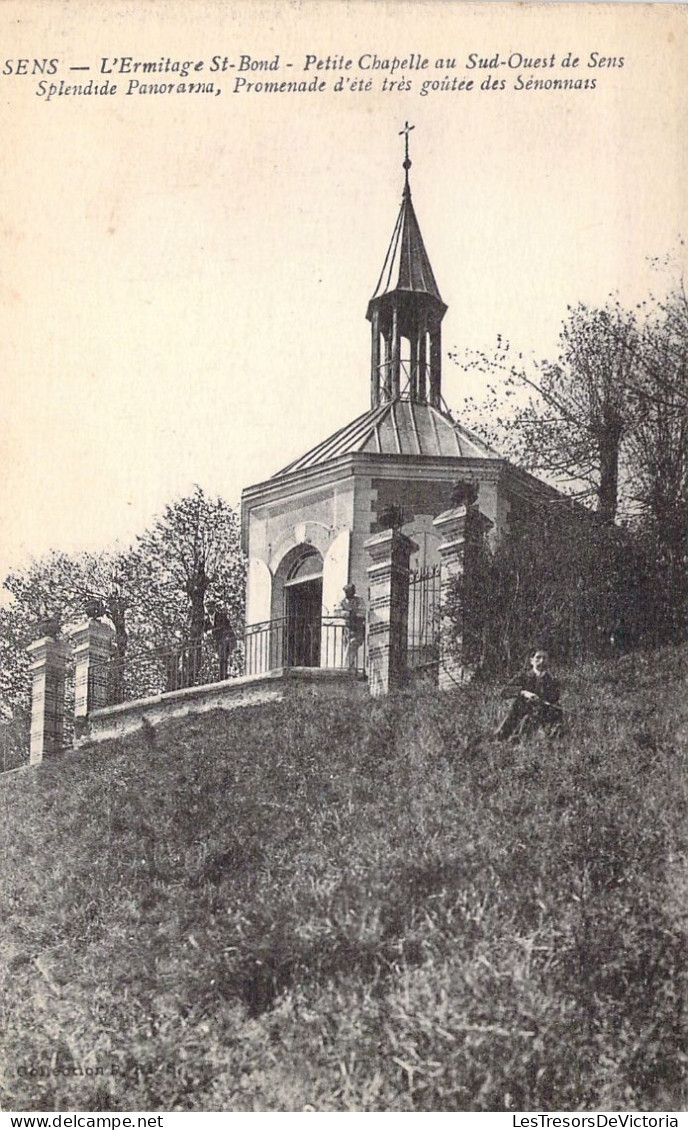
(302, 584)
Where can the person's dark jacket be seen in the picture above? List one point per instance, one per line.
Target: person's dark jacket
(546, 687)
(220, 625)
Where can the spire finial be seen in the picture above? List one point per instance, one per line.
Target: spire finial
(407, 160)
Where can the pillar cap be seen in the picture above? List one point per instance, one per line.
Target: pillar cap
(385, 536)
(46, 644)
(88, 624)
(459, 514)
(455, 514)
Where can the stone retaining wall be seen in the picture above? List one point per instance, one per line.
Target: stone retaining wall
(249, 690)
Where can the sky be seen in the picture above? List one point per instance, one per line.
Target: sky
(184, 278)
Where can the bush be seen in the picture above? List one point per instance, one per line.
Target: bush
(561, 580)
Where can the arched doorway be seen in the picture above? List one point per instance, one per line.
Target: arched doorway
(303, 587)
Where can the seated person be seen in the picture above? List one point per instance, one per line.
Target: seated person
(535, 705)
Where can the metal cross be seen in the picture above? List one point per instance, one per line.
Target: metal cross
(406, 131)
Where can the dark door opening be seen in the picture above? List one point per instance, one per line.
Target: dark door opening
(303, 628)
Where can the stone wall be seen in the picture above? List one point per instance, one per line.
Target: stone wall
(250, 690)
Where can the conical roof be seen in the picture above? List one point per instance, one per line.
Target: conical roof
(399, 427)
(407, 266)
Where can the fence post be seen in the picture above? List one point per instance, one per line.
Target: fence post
(48, 660)
(388, 579)
(92, 647)
(461, 530)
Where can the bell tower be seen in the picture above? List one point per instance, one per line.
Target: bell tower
(406, 313)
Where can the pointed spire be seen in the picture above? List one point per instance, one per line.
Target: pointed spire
(407, 265)
(405, 313)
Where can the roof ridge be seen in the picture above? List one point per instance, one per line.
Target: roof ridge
(389, 430)
(339, 436)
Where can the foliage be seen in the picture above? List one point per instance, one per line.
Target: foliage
(152, 593)
(559, 579)
(658, 446)
(357, 905)
(608, 418)
(47, 588)
(572, 414)
(192, 551)
(113, 577)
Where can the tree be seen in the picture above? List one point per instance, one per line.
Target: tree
(112, 577)
(153, 595)
(59, 586)
(567, 419)
(658, 452)
(609, 419)
(15, 695)
(45, 590)
(192, 551)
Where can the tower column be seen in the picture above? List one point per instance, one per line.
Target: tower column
(422, 360)
(92, 646)
(386, 384)
(396, 344)
(415, 375)
(462, 530)
(375, 361)
(435, 365)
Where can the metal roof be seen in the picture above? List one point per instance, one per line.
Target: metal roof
(398, 427)
(407, 266)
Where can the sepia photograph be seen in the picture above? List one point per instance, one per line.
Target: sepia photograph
(344, 559)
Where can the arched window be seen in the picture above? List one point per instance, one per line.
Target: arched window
(307, 566)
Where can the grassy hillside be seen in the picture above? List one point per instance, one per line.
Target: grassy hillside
(357, 906)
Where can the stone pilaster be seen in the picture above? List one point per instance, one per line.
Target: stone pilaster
(92, 648)
(48, 660)
(388, 580)
(461, 529)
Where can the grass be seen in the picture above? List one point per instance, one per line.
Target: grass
(360, 905)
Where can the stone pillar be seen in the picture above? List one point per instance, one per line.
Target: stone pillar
(388, 579)
(92, 647)
(462, 530)
(48, 659)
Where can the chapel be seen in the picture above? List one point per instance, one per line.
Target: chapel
(304, 530)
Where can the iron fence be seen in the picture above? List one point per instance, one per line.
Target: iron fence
(287, 642)
(330, 642)
(424, 613)
(160, 670)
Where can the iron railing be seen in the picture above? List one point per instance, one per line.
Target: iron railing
(290, 642)
(414, 379)
(287, 642)
(139, 674)
(424, 618)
